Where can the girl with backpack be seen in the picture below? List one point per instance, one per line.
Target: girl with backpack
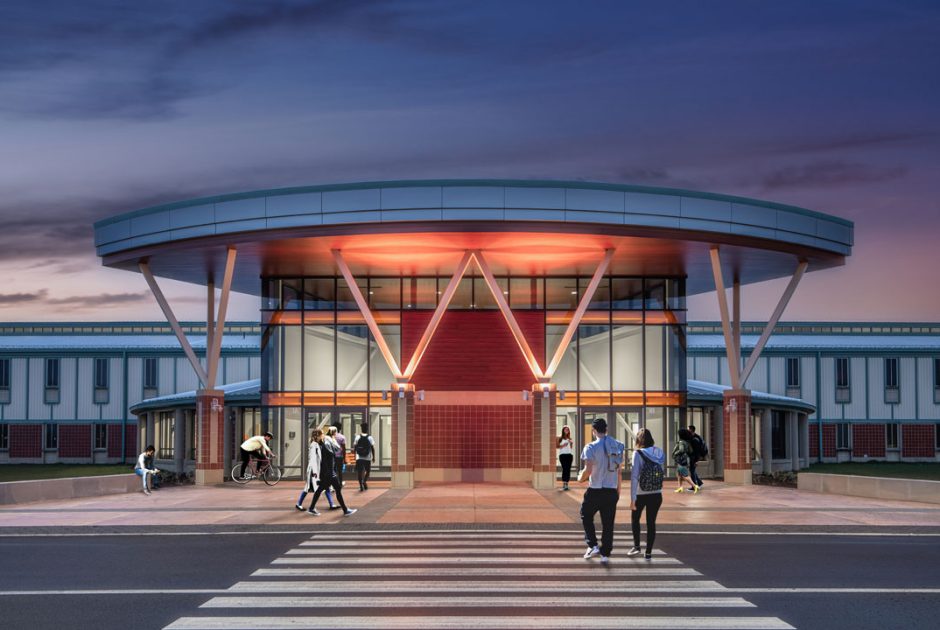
(682, 454)
(646, 489)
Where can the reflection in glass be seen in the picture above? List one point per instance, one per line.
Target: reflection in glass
(380, 376)
(318, 358)
(463, 296)
(292, 349)
(601, 299)
(627, 293)
(483, 297)
(561, 293)
(319, 294)
(290, 294)
(566, 376)
(351, 358)
(344, 297)
(594, 353)
(627, 356)
(421, 292)
(525, 293)
(384, 293)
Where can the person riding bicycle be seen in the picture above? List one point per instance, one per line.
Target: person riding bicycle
(255, 447)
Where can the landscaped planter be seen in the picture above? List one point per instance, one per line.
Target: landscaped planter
(922, 490)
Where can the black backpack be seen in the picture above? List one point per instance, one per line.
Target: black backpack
(651, 476)
(699, 447)
(363, 448)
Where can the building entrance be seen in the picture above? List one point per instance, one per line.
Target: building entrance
(622, 424)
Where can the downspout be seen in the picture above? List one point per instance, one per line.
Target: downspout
(124, 411)
(819, 426)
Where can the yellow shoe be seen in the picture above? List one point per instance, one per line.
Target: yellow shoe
(695, 491)
(678, 490)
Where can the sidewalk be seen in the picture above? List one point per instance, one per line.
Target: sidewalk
(718, 505)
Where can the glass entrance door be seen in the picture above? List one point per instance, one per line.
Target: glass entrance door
(622, 425)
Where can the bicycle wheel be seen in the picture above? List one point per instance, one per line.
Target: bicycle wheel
(272, 475)
(236, 474)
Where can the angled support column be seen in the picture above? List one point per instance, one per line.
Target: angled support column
(438, 314)
(367, 315)
(725, 319)
(509, 317)
(214, 351)
(769, 328)
(174, 324)
(579, 313)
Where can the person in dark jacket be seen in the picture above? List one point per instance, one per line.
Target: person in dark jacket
(328, 476)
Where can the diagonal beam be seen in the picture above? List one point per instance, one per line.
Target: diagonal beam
(725, 323)
(174, 324)
(219, 323)
(367, 314)
(507, 315)
(438, 314)
(579, 313)
(769, 328)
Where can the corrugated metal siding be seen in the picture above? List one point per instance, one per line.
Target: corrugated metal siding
(165, 381)
(778, 375)
(186, 378)
(135, 380)
(856, 409)
(724, 376)
(877, 409)
(758, 378)
(16, 410)
(828, 407)
(808, 380)
(116, 407)
(68, 377)
(907, 408)
(87, 409)
(236, 369)
(254, 367)
(706, 369)
(927, 409)
(38, 409)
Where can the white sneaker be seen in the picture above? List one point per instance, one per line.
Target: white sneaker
(634, 552)
(350, 512)
(591, 552)
(604, 559)
(147, 492)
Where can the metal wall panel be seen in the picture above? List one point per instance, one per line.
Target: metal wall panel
(87, 409)
(135, 380)
(877, 409)
(254, 367)
(16, 410)
(65, 410)
(724, 375)
(777, 383)
(758, 378)
(808, 380)
(116, 409)
(38, 409)
(827, 379)
(927, 409)
(856, 409)
(706, 369)
(236, 369)
(166, 384)
(906, 409)
(186, 379)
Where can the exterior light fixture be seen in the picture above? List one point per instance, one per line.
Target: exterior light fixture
(420, 394)
(525, 394)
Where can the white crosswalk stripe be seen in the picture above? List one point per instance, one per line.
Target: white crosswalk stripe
(471, 580)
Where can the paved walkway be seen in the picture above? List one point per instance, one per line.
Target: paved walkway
(719, 505)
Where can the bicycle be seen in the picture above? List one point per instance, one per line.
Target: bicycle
(257, 469)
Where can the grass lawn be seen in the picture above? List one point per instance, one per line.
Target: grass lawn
(882, 469)
(26, 472)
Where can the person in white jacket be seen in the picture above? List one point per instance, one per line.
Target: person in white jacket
(144, 468)
(314, 461)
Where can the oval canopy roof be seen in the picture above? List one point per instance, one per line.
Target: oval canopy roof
(523, 227)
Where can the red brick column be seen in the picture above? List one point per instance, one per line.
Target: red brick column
(543, 438)
(210, 407)
(403, 447)
(737, 438)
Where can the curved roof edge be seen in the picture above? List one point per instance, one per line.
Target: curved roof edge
(248, 393)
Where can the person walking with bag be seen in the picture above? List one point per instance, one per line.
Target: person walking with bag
(565, 456)
(646, 489)
(682, 454)
(699, 452)
(364, 447)
(602, 459)
(328, 476)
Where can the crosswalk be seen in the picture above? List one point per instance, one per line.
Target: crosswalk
(480, 579)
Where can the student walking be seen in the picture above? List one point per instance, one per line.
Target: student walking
(565, 456)
(144, 468)
(328, 476)
(314, 461)
(340, 440)
(646, 489)
(602, 460)
(699, 453)
(365, 456)
(681, 455)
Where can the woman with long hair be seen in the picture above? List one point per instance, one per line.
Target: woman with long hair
(328, 478)
(314, 461)
(682, 455)
(646, 489)
(565, 455)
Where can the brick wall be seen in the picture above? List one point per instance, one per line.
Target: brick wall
(538, 402)
(75, 440)
(829, 440)
(25, 440)
(473, 436)
(473, 350)
(114, 441)
(917, 440)
(868, 439)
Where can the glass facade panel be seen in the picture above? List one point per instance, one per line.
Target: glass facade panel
(352, 353)
(561, 293)
(380, 376)
(463, 296)
(566, 376)
(627, 293)
(483, 297)
(422, 292)
(627, 354)
(385, 294)
(525, 293)
(290, 294)
(318, 357)
(601, 299)
(344, 297)
(319, 294)
(594, 354)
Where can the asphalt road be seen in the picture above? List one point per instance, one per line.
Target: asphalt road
(48, 564)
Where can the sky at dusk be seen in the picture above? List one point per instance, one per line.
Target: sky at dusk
(110, 106)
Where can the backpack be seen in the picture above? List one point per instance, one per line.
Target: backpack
(615, 456)
(680, 453)
(363, 448)
(651, 475)
(699, 447)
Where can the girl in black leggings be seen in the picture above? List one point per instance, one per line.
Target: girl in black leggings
(646, 490)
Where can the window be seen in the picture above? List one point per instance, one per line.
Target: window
(892, 392)
(52, 382)
(778, 434)
(101, 437)
(843, 436)
(5, 436)
(843, 392)
(891, 436)
(52, 437)
(150, 377)
(793, 377)
(4, 381)
(101, 381)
